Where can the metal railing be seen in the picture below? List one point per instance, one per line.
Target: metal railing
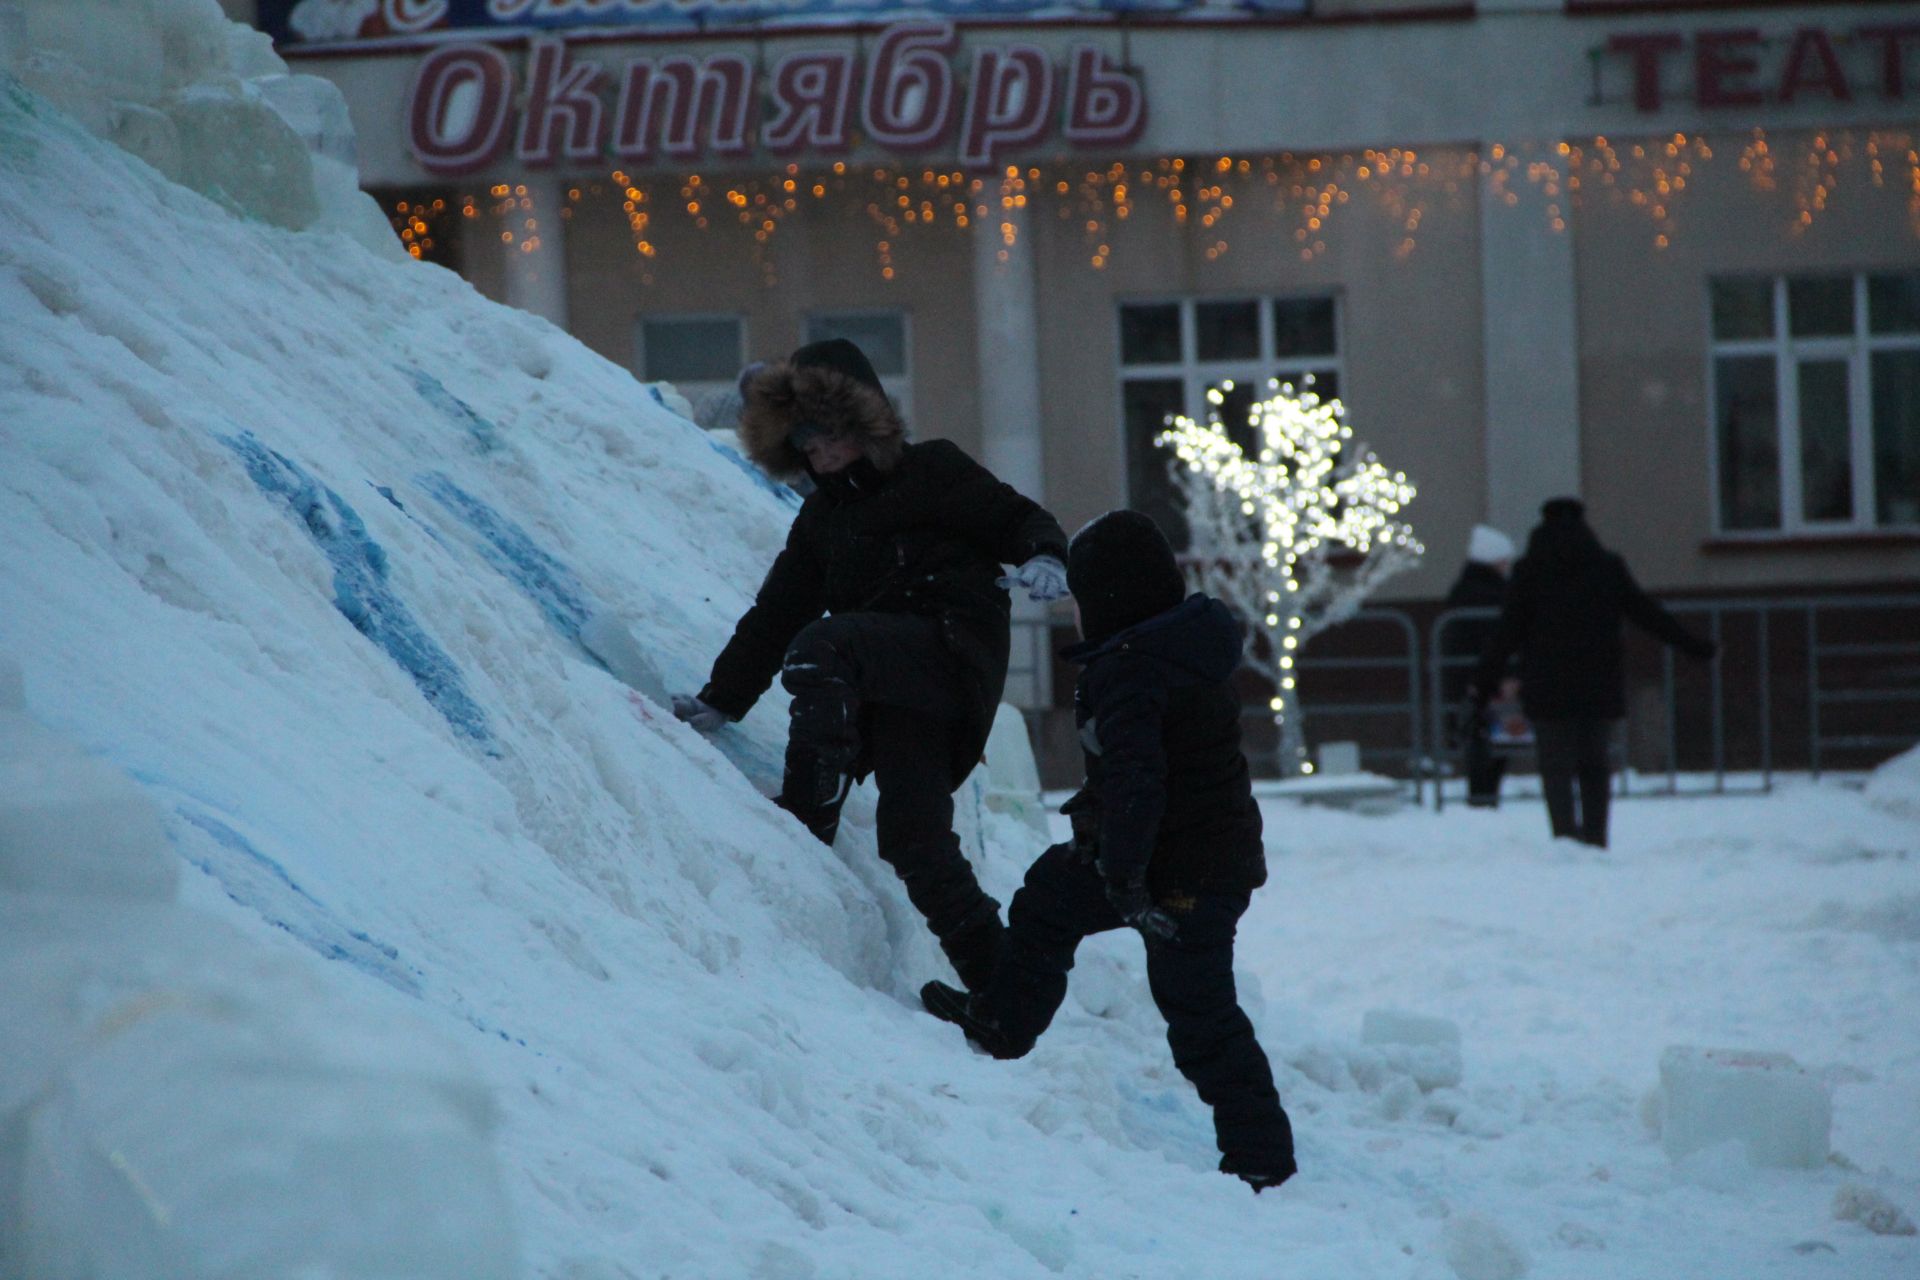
(1847, 675)
(1409, 709)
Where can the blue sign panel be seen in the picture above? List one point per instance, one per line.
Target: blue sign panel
(318, 22)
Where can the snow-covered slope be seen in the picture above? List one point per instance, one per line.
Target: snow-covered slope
(302, 538)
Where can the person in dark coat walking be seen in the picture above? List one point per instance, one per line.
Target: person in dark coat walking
(1166, 840)
(1563, 614)
(901, 546)
(1482, 584)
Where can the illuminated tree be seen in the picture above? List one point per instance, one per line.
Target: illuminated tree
(1293, 538)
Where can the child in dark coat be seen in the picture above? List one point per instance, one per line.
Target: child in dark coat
(1166, 840)
(900, 546)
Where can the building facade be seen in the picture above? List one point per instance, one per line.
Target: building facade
(1665, 256)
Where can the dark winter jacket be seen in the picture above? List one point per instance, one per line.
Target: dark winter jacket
(922, 531)
(1479, 586)
(1167, 785)
(1563, 613)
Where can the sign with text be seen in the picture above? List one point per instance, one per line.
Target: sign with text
(294, 23)
(906, 94)
(1745, 67)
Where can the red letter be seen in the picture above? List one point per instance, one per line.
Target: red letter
(811, 93)
(1106, 105)
(1645, 51)
(1713, 63)
(457, 108)
(1813, 41)
(1008, 103)
(561, 105)
(909, 100)
(1893, 82)
(716, 94)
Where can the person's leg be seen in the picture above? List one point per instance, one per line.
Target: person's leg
(915, 821)
(1191, 978)
(1482, 768)
(1596, 779)
(1061, 902)
(1556, 744)
(832, 668)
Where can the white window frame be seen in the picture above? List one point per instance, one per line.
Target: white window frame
(1857, 349)
(1198, 376)
(702, 393)
(898, 385)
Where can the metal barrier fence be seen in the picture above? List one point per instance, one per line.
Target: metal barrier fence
(1859, 658)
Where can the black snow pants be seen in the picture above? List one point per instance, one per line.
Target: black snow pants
(892, 678)
(1191, 980)
(1576, 751)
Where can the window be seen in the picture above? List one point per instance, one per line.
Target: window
(1172, 353)
(1816, 402)
(883, 336)
(701, 356)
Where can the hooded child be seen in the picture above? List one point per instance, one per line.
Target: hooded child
(1166, 840)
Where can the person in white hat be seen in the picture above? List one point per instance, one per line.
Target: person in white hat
(1482, 584)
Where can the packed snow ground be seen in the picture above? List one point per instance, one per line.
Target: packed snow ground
(302, 539)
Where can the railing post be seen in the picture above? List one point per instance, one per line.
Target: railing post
(1673, 720)
(1813, 690)
(1719, 713)
(1766, 699)
(1435, 660)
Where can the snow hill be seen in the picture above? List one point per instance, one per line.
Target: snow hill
(302, 540)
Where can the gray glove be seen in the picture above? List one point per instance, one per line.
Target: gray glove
(1044, 577)
(702, 717)
(1135, 905)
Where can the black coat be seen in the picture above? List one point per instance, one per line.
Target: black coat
(1479, 586)
(1564, 608)
(1167, 785)
(927, 540)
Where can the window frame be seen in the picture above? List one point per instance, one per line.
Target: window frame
(698, 393)
(1787, 352)
(1198, 376)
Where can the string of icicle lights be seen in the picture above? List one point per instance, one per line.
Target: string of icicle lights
(1296, 201)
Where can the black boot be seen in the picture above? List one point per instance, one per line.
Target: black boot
(1257, 1172)
(974, 949)
(813, 790)
(949, 1004)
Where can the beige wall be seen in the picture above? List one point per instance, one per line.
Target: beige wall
(1410, 343)
(1645, 447)
(825, 262)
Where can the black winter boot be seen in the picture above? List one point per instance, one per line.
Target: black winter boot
(952, 1005)
(813, 790)
(1257, 1172)
(974, 952)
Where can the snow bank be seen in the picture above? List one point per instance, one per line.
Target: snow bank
(176, 1100)
(1895, 785)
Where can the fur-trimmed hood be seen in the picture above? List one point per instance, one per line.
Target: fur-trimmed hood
(783, 395)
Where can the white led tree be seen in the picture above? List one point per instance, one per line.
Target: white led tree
(1294, 537)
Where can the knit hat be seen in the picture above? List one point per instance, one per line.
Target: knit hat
(1554, 509)
(1121, 571)
(841, 356)
(1487, 545)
